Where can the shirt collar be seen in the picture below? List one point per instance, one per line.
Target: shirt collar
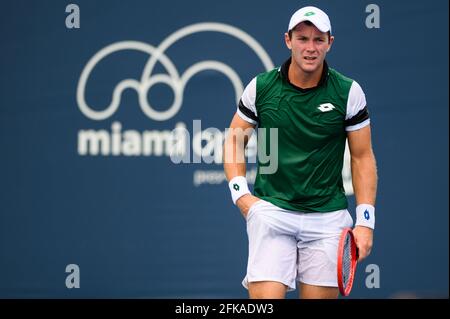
(284, 70)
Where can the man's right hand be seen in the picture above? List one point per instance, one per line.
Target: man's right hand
(245, 202)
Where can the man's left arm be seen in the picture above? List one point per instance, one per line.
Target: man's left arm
(364, 179)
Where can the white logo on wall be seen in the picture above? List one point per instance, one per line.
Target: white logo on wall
(130, 142)
(118, 142)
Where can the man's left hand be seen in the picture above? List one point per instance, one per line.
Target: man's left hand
(364, 240)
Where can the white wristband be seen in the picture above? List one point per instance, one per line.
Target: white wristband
(365, 215)
(238, 187)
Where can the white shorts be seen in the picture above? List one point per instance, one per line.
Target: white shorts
(287, 246)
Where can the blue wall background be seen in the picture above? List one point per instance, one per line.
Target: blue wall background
(137, 226)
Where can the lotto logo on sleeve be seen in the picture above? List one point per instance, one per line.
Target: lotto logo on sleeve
(366, 215)
(236, 187)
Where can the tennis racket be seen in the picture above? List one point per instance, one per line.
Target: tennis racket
(347, 260)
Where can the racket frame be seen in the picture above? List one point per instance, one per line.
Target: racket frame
(345, 291)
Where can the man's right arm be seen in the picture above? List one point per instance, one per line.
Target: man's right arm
(234, 157)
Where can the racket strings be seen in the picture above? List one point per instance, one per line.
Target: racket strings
(347, 261)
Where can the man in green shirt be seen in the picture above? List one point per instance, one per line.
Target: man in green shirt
(297, 212)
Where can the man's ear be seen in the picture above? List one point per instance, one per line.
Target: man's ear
(331, 43)
(287, 40)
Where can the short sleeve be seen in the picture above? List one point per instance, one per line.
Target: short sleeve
(246, 108)
(357, 115)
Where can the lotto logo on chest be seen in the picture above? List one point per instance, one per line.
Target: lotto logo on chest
(326, 107)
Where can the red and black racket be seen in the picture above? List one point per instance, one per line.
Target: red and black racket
(347, 260)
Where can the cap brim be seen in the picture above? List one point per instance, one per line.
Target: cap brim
(321, 26)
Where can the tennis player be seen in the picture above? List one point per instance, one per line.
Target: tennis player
(296, 214)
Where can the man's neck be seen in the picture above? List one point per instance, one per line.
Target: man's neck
(302, 79)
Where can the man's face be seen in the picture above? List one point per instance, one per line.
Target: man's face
(309, 47)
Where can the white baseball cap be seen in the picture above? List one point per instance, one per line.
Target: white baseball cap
(312, 14)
